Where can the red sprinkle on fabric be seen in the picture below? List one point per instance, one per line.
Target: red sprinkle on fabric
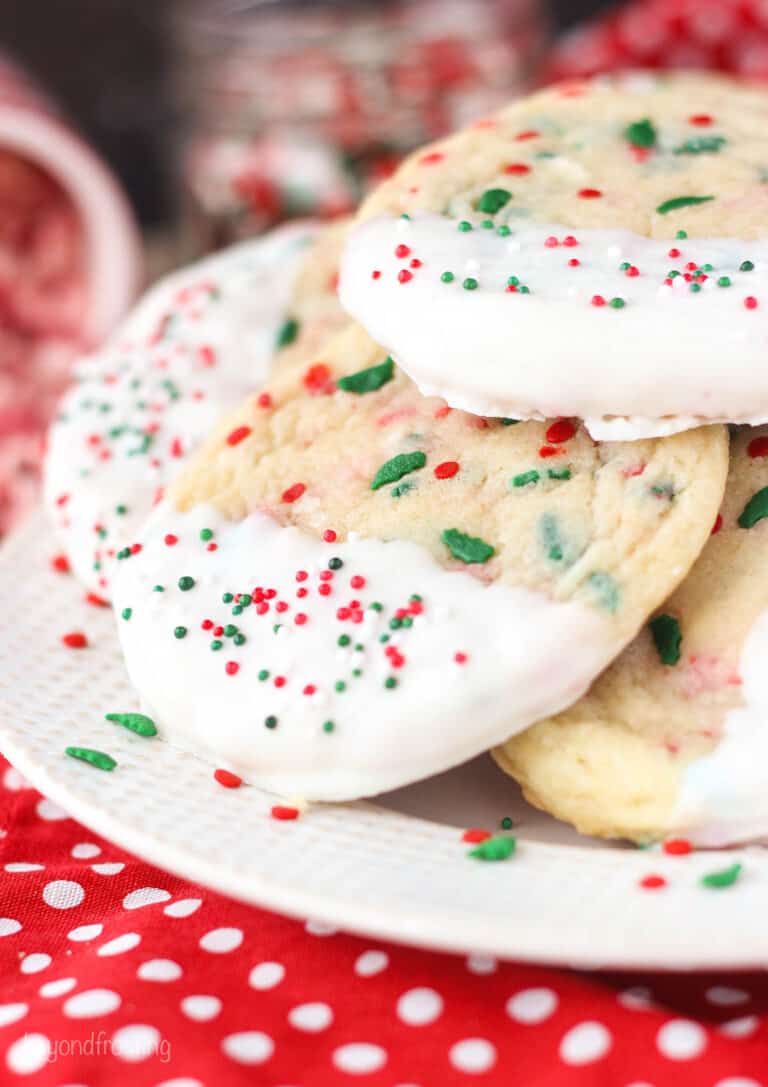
(280, 811)
(402, 251)
(562, 430)
(700, 119)
(750, 302)
(60, 563)
(447, 469)
(74, 640)
(264, 400)
(171, 540)
(475, 835)
(404, 276)
(589, 194)
(598, 300)
(517, 169)
(460, 658)
(653, 882)
(231, 668)
(238, 435)
(677, 847)
(293, 493)
(227, 779)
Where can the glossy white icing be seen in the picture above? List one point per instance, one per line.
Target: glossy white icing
(669, 354)
(521, 656)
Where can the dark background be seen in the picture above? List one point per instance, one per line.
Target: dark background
(107, 62)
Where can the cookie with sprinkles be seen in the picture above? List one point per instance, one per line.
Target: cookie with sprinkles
(597, 250)
(358, 586)
(196, 344)
(671, 740)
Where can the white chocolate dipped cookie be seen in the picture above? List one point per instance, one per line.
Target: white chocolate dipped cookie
(193, 348)
(673, 738)
(596, 250)
(353, 586)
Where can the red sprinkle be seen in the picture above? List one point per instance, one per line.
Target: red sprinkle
(653, 882)
(750, 302)
(264, 400)
(231, 668)
(402, 251)
(517, 169)
(227, 779)
(700, 119)
(280, 811)
(758, 447)
(677, 847)
(171, 540)
(376, 274)
(476, 834)
(717, 525)
(674, 252)
(96, 601)
(300, 619)
(460, 658)
(238, 435)
(598, 300)
(357, 582)
(60, 563)
(317, 379)
(293, 493)
(560, 431)
(528, 134)
(551, 242)
(431, 158)
(551, 451)
(404, 276)
(329, 535)
(574, 262)
(447, 469)
(74, 640)
(589, 194)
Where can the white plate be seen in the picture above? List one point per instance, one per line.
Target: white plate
(396, 868)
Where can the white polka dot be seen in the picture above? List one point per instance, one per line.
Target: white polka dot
(136, 1042)
(63, 894)
(370, 963)
(585, 1043)
(726, 997)
(221, 940)
(418, 1007)
(311, 1017)
(201, 1008)
(183, 908)
(111, 870)
(159, 970)
(681, 1040)
(481, 964)
(85, 932)
(320, 928)
(531, 1006)
(91, 1003)
(28, 1054)
(738, 1081)
(126, 942)
(266, 975)
(359, 1058)
(11, 1013)
(472, 1055)
(24, 866)
(742, 1027)
(34, 963)
(144, 896)
(58, 987)
(46, 809)
(83, 851)
(248, 1047)
(8, 926)
(635, 998)
(185, 1081)
(14, 781)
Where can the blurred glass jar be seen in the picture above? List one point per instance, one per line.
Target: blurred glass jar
(297, 108)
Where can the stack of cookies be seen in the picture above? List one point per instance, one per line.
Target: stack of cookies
(496, 508)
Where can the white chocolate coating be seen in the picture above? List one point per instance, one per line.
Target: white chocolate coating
(677, 353)
(524, 655)
(192, 349)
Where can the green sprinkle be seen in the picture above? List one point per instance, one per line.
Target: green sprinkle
(746, 266)
(335, 563)
(180, 632)
(617, 303)
(401, 489)
(724, 281)
(263, 675)
(724, 877)
(508, 422)
(136, 722)
(186, 583)
(127, 613)
(340, 685)
(464, 226)
(493, 200)
(524, 478)
(238, 609)
(513, 281)
(665, 631)
(397, 467)
(216, 644)
(468, 549)
(695, 287)
(525, 290)
(158, 589)
(246, 600)
(383, 638)
(271, 721)
(503, 231)
(487, 224)
(239, 639)
(414, 598)
(328, 726)
(498, 848)
(121, 510)
(641, 133)
(390, 683)
(681, 234)
(681, 202)
(447, 277)
(551, 538)
(227, 598)
(756, 509)
(96, 758)
(376, 606)
(470, 284)
(559, 473)
(700, 145)
(230, 630)
(606, 588)
(206, 534)
(289, 330)
(343, 640)
(368, 381)
(506, 823)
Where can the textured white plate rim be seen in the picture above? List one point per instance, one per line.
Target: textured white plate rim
(561, 904)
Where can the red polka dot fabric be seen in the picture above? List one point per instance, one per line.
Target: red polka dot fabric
(115, 972)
